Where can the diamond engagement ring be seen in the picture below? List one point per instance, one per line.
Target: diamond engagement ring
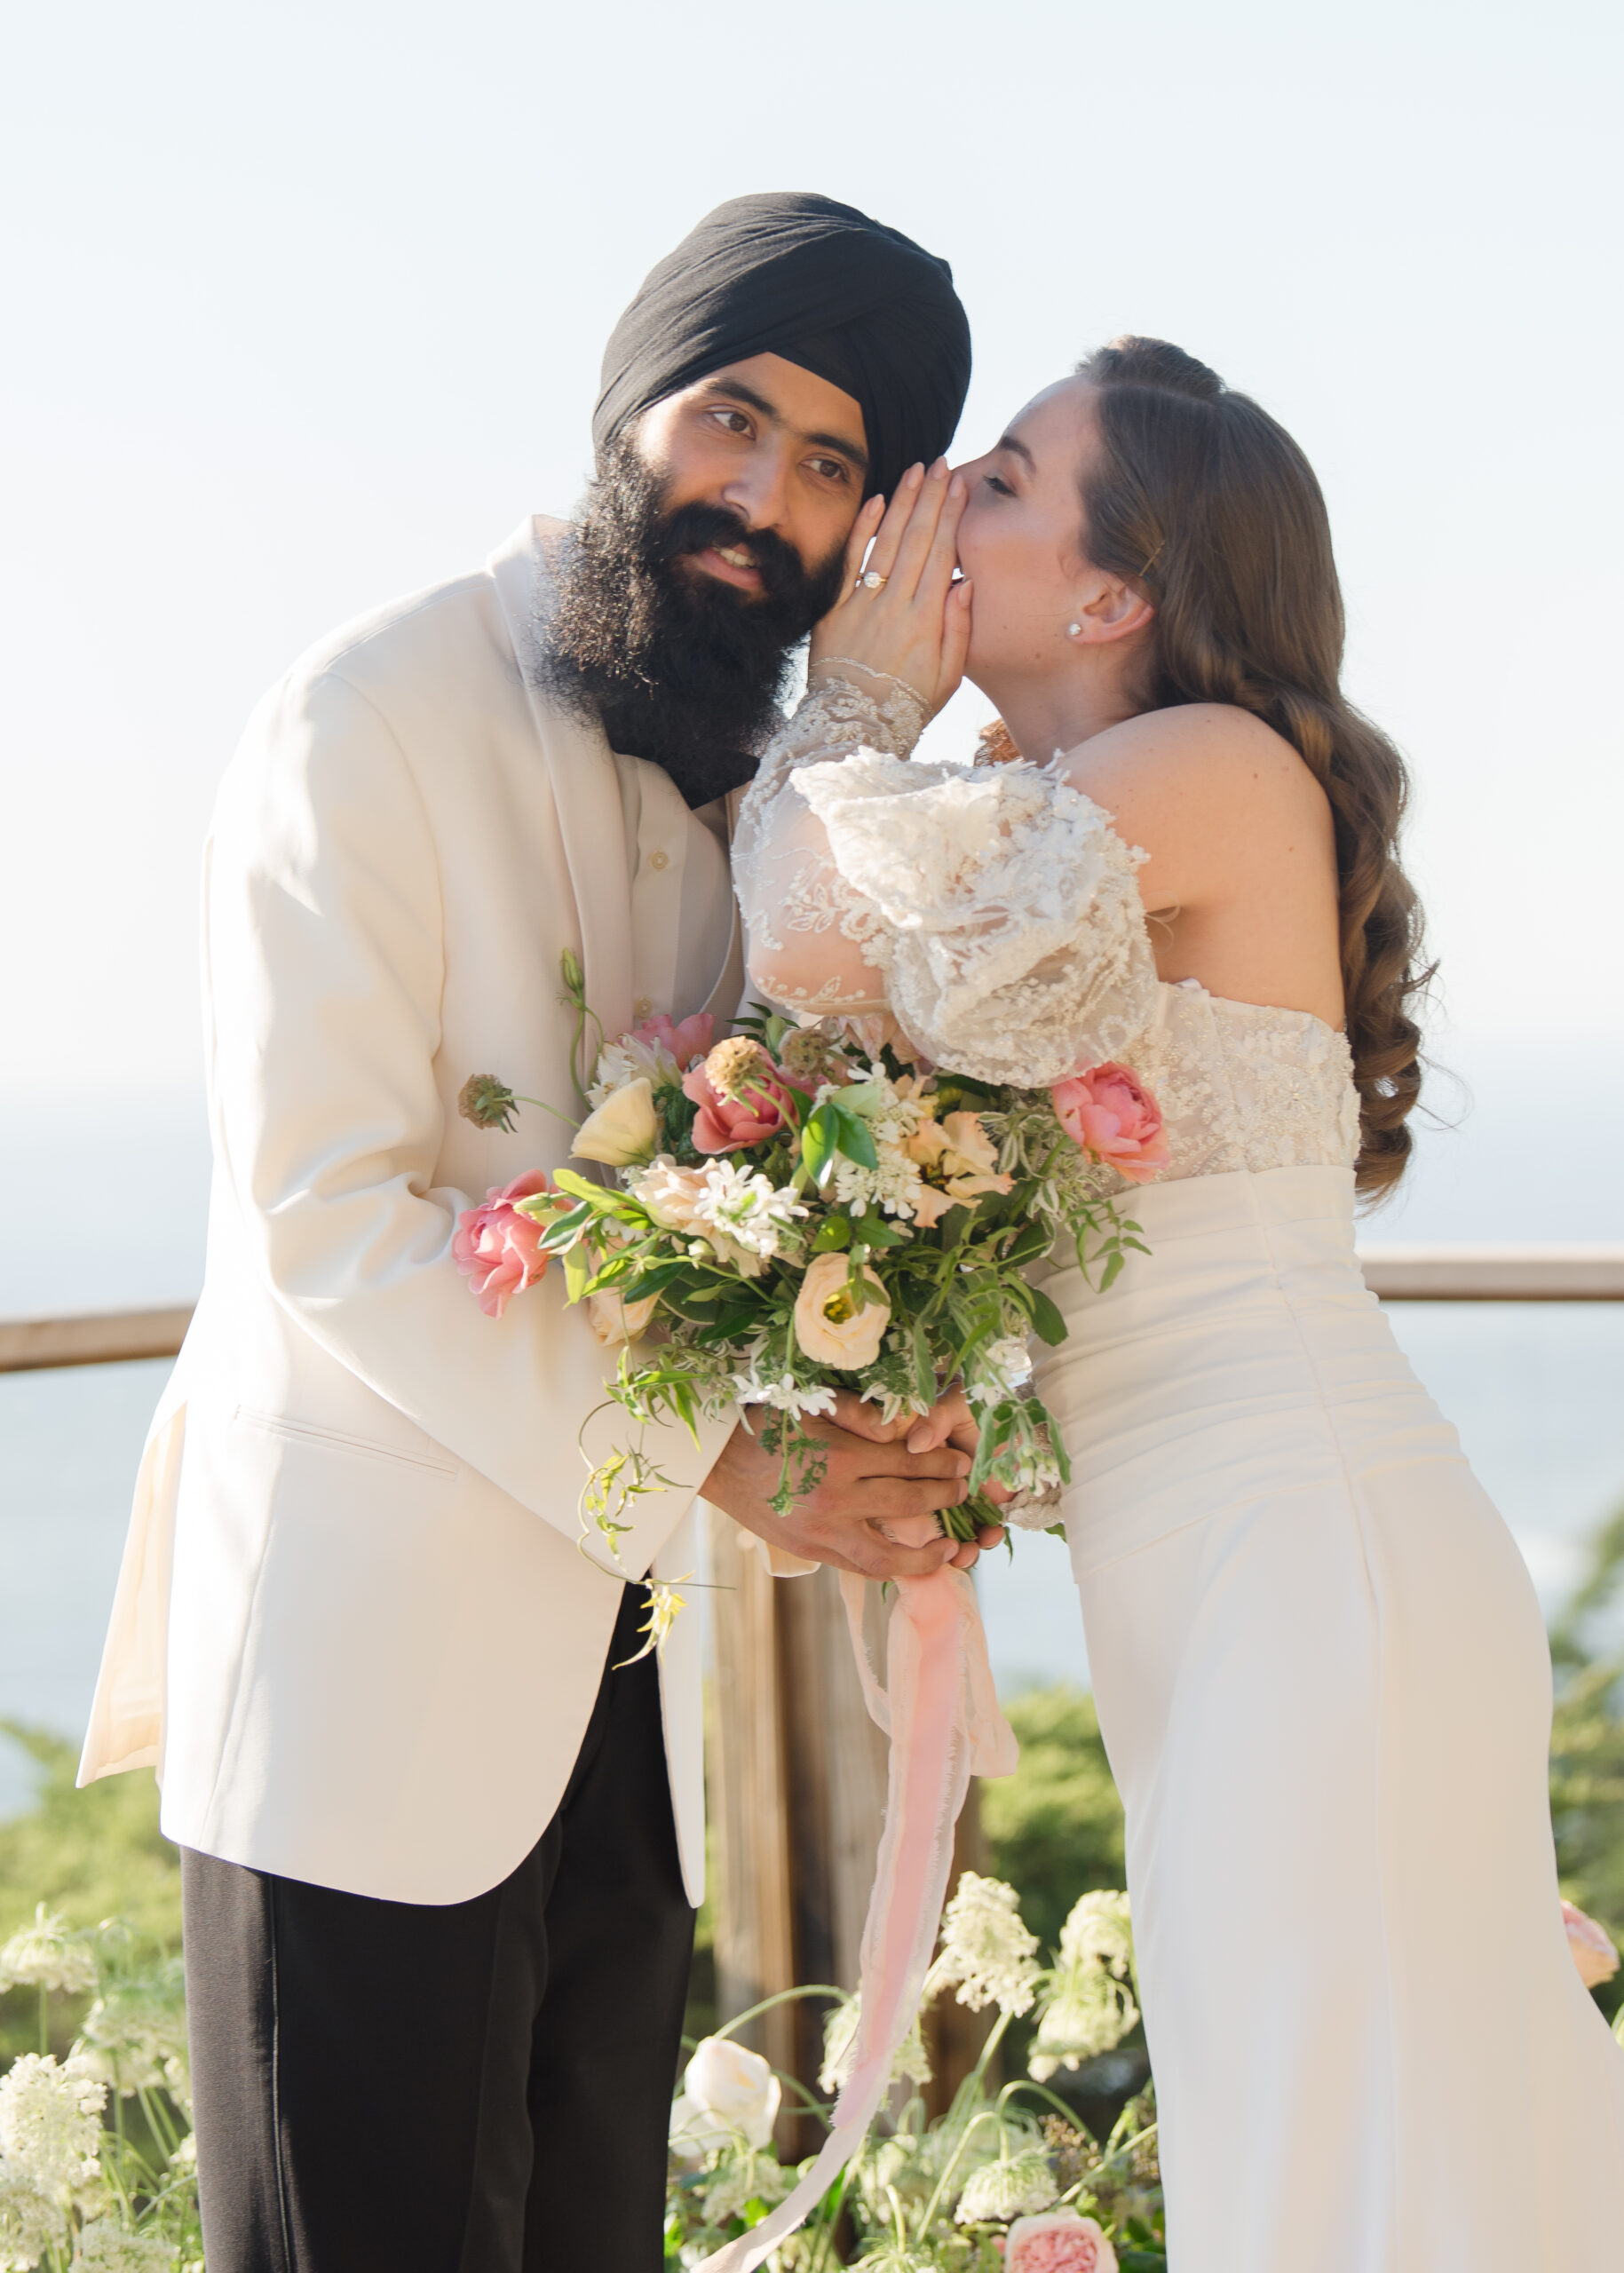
(872, 581)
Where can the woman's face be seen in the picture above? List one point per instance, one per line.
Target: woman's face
(1021, 537)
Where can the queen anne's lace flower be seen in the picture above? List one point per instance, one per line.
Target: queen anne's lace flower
(107, 2247)
(50, 2129)
(985, 1948)
(135, 2033)
(910, 2062)
(1088, 2005)
(47, 1954)
(31, 2224)
(1009, 2188)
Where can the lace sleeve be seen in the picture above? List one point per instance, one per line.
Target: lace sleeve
(993, 909)
(808, 932)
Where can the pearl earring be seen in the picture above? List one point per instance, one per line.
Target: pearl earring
(1071, 630)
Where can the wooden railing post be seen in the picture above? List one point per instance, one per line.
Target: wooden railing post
(797, 1785)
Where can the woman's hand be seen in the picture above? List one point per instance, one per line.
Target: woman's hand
(914, 625)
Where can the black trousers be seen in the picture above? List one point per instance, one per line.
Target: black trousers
(482, 2087)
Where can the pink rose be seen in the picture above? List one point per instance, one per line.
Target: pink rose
(1590, 1948)
(498, 1251)
(741, 1094)
(1057, 2241)
(685, 1042)
(1108, 1114)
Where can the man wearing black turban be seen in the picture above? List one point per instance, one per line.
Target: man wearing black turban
(789, 359)
(819, 284)
(440, 1813)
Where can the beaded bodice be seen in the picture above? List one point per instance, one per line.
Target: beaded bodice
(992, 910)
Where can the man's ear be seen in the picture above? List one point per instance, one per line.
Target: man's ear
(1109, 609)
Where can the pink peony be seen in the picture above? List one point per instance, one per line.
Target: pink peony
(685, 1042)
(1590, 1946)
(742, 1097)
(1108, 1114)
(498, 1251)
(1057, 2241)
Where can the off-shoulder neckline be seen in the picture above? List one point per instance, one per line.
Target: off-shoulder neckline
(1261, 1010)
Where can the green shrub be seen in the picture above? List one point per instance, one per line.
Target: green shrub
(90, 1855)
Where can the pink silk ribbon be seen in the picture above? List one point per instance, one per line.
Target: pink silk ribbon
(941, 1713)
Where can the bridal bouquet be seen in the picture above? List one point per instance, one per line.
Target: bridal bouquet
(800, 1210)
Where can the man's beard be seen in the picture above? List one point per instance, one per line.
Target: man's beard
(678, 666)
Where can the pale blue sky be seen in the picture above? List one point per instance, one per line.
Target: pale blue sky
(305, 304)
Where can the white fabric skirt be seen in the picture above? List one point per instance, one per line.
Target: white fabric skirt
(1325, 1690)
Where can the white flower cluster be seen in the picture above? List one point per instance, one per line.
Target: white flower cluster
(51, 2138)
(986, 1948)
(47, 1954)
(999, 1371)
(733, 1213)
(894, 1112)
(107, 2247)
(1088, 2005)
(135, 2033)
(782, 1391)
(1012, 2187)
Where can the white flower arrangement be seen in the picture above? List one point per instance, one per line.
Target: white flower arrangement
(47, 1955)
(987, 1949)
(799, 1211)
(1087, 2002)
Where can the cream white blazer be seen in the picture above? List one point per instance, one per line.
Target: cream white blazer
(354, 1630)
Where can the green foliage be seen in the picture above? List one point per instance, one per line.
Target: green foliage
(90, 1855)
(1054, 1829)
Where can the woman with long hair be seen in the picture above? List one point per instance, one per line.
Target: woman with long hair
(1319, 1665)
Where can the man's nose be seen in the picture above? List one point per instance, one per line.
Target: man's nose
(759, 489)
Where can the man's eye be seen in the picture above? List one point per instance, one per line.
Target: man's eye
(831, 469)
(734, 421)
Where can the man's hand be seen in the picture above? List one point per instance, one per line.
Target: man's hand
(873, 1509)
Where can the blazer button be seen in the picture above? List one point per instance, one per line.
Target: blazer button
(643, 1008)
(658, 860)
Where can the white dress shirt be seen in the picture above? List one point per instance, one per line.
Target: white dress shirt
(676, 866)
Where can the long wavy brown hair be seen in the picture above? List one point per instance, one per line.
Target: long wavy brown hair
(1203, 502)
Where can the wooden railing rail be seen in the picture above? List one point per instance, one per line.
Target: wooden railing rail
(1494, 1274)
(95, 1338)
(1397, 1274)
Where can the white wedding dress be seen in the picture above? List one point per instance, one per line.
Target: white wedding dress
(1320, 1668)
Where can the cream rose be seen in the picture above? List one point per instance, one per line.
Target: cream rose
(614, 1321)
(624, 1128)
(828, 1325)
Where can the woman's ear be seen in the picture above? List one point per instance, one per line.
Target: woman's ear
(1108, 610)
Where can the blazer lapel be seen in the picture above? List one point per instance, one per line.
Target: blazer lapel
(585, 789)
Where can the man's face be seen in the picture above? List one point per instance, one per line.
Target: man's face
(779, 450)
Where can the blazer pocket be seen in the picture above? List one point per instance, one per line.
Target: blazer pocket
(306, 1432)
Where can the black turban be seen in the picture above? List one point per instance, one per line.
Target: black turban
(789, 274)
